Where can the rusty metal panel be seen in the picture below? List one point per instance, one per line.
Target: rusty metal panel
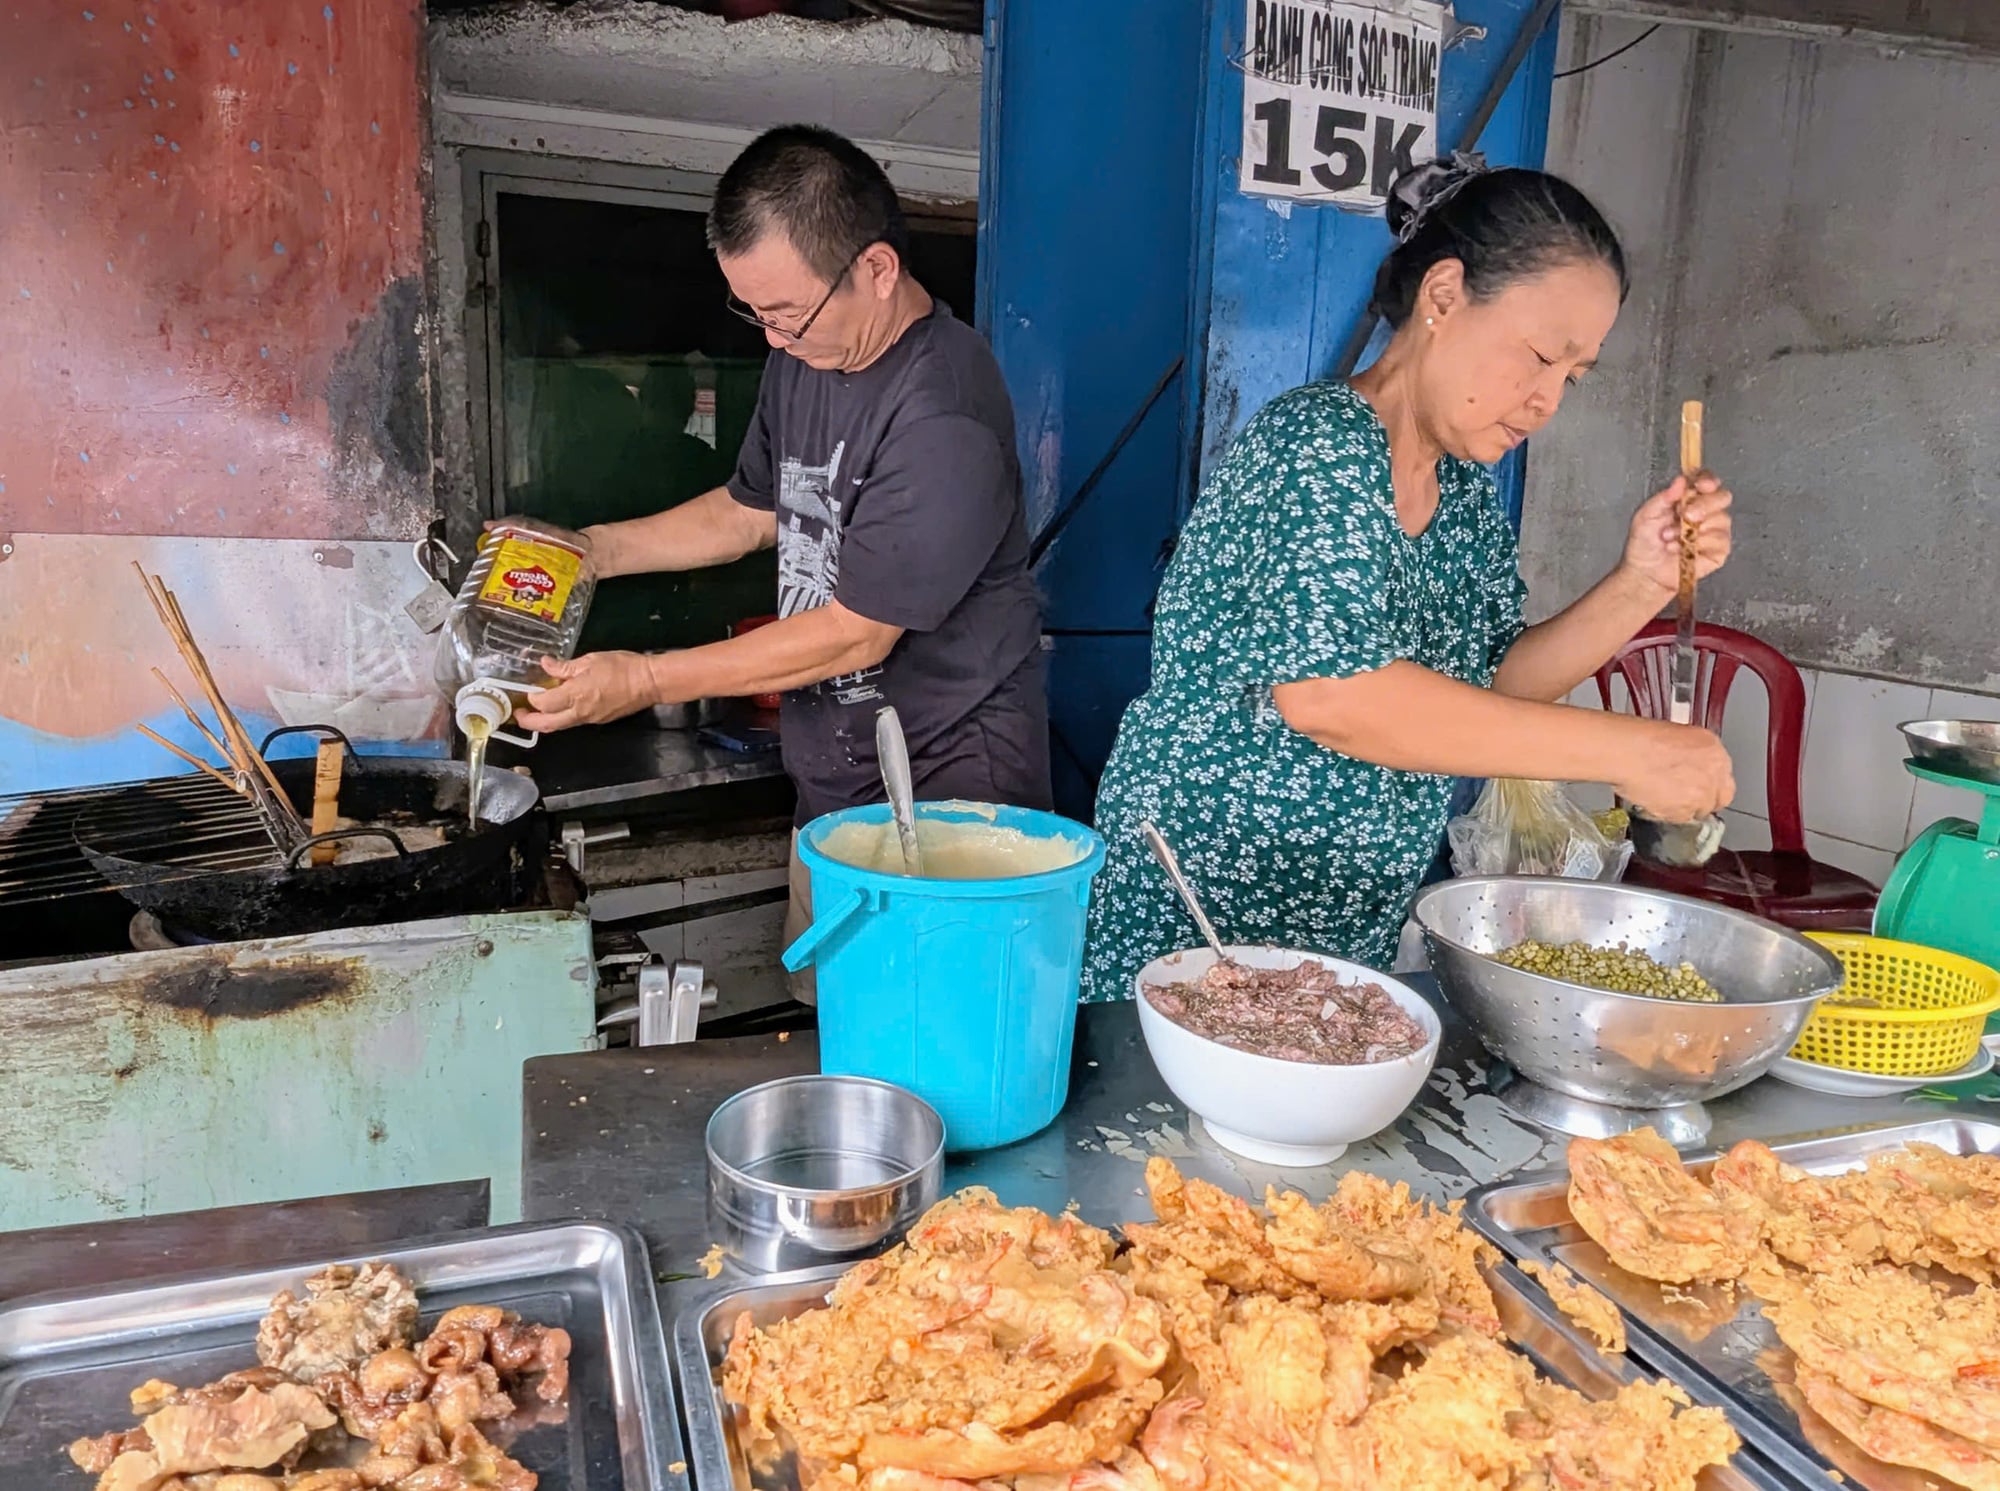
(269, 1071)
(211, 270)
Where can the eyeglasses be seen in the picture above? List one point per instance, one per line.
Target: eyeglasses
(738, 308)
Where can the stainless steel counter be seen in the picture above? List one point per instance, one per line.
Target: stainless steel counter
(632, 759)
(618, 1135)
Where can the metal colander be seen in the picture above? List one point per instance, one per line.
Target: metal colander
(1624, 1049)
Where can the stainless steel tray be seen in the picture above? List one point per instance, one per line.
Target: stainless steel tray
(701, 1337)
(67, 1361)
(1717, 1343)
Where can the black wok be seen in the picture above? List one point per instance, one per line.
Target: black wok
(497, 866)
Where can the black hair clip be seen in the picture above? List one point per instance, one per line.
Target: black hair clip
(1421, 192)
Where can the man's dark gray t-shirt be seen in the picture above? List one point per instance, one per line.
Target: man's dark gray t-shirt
(898, 493)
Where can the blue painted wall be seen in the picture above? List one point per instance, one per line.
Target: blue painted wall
(1115, 248)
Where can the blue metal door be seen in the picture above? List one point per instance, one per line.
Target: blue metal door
(1143, 309)
(1087, 227)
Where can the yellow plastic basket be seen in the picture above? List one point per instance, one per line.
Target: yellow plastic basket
(1925, 1014)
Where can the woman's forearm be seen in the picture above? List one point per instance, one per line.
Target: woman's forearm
(713, 528)
(1407, 717)
(1552, 657)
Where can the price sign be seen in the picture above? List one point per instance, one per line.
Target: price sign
(1338, 99)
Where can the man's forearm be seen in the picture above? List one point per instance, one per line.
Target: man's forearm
(1553, 657)
(713, 528)
(827, 642)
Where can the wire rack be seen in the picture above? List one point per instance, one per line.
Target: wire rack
(191, 823)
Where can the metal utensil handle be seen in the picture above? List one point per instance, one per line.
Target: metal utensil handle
(1686, 662)
(1165, 855)
(324, 732)
(895, 754)
(292, 859)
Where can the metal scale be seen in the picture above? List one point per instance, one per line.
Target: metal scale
(1945, 891)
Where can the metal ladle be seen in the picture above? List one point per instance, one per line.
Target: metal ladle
(1682, 846)
(894, 753)
(1165, 855)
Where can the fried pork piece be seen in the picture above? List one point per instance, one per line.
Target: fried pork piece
(312, 1480)
(218, 1428)
(992, 1343)
(95, 1455)
(1474, 1417)
(1590, 1311)
(1651, 1217)
(348, 1315)
(467, 1369)
(1899, 1343)
(1899, 1438)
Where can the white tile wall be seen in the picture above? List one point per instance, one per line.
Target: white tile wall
(1745, 831)
(1933, 802)
(1861, 808)
(1855, 786)
(1746, 729)
(1872, 865)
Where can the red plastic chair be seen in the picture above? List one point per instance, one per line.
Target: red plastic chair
(1783, 884)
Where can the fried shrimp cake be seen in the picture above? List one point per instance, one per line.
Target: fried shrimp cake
(1634, 1199)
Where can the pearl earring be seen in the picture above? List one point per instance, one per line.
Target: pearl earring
(1430, 321)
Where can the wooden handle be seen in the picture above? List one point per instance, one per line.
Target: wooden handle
(1690, 468)
(326, 798)
(1691, 439)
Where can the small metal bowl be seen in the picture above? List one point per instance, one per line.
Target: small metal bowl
(810, 1170)
(1958, 748)
(1679, 846)
(693, 715)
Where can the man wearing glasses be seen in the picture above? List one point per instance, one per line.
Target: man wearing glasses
(881, 464)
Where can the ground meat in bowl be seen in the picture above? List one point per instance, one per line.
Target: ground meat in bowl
(1305, 1014)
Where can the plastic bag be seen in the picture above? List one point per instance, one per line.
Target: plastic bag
(1533, 828)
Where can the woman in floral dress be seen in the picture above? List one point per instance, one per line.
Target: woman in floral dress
(1340, 633)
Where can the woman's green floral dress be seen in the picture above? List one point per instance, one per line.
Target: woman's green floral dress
(1293, 566)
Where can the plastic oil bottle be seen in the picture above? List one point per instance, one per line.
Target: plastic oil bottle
(525, 598)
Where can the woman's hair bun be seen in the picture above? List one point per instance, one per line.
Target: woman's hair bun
(1502, 226)
(1424, 190)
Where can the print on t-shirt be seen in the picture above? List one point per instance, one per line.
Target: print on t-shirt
(809, 536)
(809, 556)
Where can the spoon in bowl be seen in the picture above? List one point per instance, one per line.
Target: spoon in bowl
(894, 753)
(1165, 855)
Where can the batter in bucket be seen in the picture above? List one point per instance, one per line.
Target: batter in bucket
(952, 850)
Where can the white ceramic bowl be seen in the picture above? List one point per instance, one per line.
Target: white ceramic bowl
(1282, 1112)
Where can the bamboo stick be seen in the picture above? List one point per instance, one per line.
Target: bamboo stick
(193, 718)
(231, 726)
(255, 779)
(196, 762)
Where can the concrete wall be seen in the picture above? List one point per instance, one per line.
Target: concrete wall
(1813, 234)
(211, 360)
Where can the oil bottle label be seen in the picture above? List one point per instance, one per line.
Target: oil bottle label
(532, 578)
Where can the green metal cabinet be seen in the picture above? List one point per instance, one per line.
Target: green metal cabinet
(272, 1070)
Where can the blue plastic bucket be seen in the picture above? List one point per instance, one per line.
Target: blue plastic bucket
(962, 991)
